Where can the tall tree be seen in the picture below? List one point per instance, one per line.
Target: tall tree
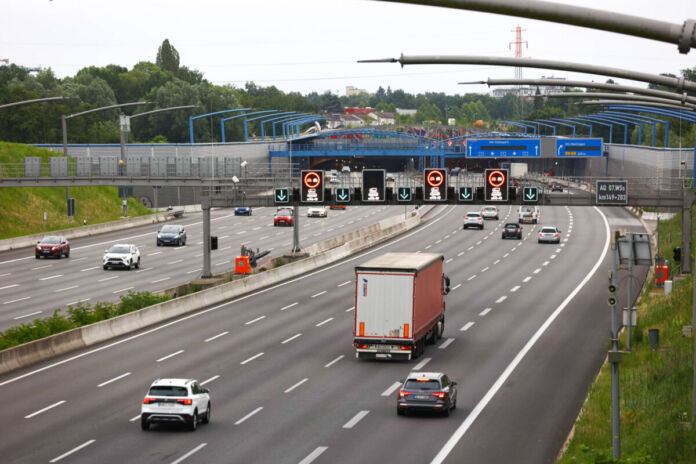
(167, 57)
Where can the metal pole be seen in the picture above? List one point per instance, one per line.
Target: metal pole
(296, 230)
(629, 236)
(686, 229)
(206, 242)
(64, 125)
(615, 405)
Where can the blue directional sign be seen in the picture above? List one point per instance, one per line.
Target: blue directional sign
(404, 194)
(578, 147)
(466, 194)
(503, 148)
(282, 195)
(342, 195)
(530, 195)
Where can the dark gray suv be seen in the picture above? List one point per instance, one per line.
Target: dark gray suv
(427, 391)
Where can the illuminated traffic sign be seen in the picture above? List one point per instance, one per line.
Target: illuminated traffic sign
(312, 187)
(373, 185)
(435, 181)
(282, 195)
(530, 195)
(342, 195)
(496, 185)
(404, 194)
(466, 194)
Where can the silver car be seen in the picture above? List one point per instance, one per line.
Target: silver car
(489, 212)
(473, 219)
(549, 234)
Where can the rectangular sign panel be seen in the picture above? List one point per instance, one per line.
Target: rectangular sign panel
(579, 147)
(435, 185)
(282, 195)
(530, 195)
(503, 148)
(404, 194)
(342, 195)
(612, 192)
(373, 185)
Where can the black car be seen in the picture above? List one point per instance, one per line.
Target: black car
(427, 391)
(171, 235)
(512, 230)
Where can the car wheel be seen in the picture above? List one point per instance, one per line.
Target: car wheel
(106, 267)
(159, 244)
(37, 256)
(446, 412)
(399, 411)
(206, 418)
(144, 424)
(193, 424)
(137, 265)
(454, 406)
(60, 255)
(67, 253)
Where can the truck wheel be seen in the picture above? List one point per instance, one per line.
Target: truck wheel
(440, 329)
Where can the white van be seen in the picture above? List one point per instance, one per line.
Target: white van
(528, 214)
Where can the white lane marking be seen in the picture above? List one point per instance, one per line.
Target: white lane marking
(447, 236)
(74, 450)
(248, 415)
(558, 250)
(194, 270)
(313, 455)
(318, 294)
(334, 361)
(439, 241)
(496, 262)
(449, 260)
(9, 286)
(176, 261)
(429, 246)
(421, 364)
(296, 385)
(290, 339)
(350, 309)
(552, 257)
(527, 279)
(537, 270)
(324, 322)
(485, 269)
(506, 255)
(263, 238)
(252, 358)
(486, 237)
(565, 239)
(460, 253)
(64, 289)
(456, 286)
(78, 301)
(52, 277)
(515, 288)
(545, 263)
(470, 248)
(215, 377)
(215, 336)
(479, 242)
(41, 267)
(160, 280)
(344, 283)
(446, 343)
(289, 306)
(107, 278)
(27, 315)
(481, 405)
(485, 311)
(9, 273)
(357, 418)
(155, 253)
(114, 379)
(227, 236)
(44, 409)
(467, 326)
(501, 299)
(254, 320)
(360, 256)
(123, 290)
(170, 355)
(134, 418)
(143, 270)
(18, 299)
(392, 388)
(194, 450)
(472, 277)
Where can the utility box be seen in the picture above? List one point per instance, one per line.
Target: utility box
(242, 265)
(58, 166)
(213, 242)
(32, 166)
(661, 275)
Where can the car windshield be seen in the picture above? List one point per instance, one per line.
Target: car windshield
(284, 212)
(473, 215)
(169, 229)
(165, 390)
(51, 240)
(511, 226)
(489, 208)
(414, 384)
(527, 209)
(548, 230)
(119, 249)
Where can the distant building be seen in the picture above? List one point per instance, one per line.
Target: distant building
(382, 118)
(353, 91)
(406, 112)
(529, 92)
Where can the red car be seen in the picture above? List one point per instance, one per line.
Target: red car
(53, 245)
(283, 217)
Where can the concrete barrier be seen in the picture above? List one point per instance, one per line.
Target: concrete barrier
(352, 243)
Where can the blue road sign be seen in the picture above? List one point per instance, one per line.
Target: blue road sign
(404, 194)
(466, 194)
(281, 195)
(342, 195)
(578, 147)
(503, 148)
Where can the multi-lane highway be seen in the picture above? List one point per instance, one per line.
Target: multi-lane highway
(525, 333)
(31, 288)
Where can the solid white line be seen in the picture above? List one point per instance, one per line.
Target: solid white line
(291, 338)
(114, 379)
(108, 278)
(456, 286)
(527, 279)
(52, 277)
(334, 361)
(288, 306)
(18, 299)
(421, 364)
(537, 270)
(215, 377)
(485, 311)
(350, 309)
(254, 320)
(87, 443)
(467, 326)
(194, 450)
(324, 322)
(344, 283)
(357, 418)
(64, 289)
(392, 388)
(123, 290)
(44, 409)
(215, 336)
(252, 358)
(501, 299)
(160, 280)
(9, 286)
(314, 454)
(515, 288)
(446, 343)
(248, 415)
(318, 294)
(27, 315)
(170, 355)
(466, 424)
(296, 385)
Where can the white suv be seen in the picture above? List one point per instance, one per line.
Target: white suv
(489, 212)
(181, 401)
(122, 255)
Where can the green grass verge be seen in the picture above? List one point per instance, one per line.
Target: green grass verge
(77, 316)
(655, 386)
(23, 207)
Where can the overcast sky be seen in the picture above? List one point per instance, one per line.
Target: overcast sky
(313, 45)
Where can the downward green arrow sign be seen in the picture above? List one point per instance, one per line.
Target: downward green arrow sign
(342, 196)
